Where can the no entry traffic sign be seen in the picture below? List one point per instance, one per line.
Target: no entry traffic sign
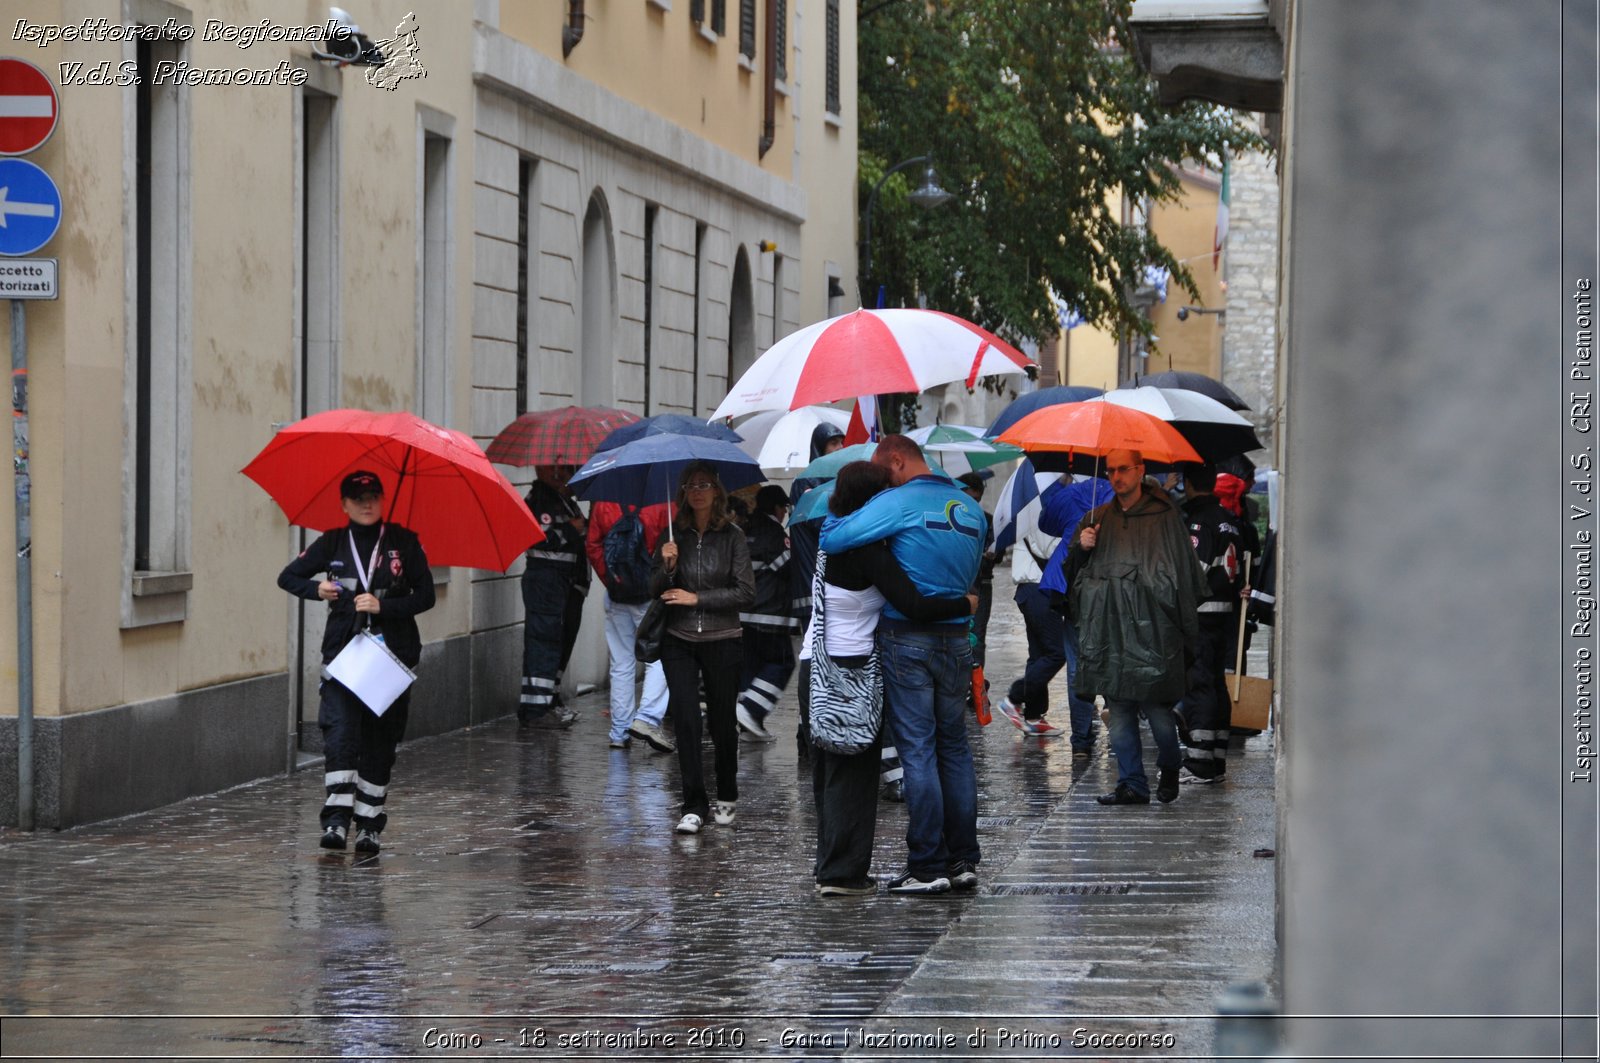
(28, 107)
(30, 207)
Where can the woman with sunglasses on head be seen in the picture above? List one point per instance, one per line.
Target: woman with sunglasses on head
(703, 576)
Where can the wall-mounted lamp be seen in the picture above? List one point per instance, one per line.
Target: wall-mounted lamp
(1185, 311)
(767, 246)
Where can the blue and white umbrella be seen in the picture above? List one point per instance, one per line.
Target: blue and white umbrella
(1020, 495)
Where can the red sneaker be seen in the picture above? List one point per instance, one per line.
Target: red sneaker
(1041, 728)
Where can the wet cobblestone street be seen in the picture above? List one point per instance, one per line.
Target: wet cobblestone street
(531, 898)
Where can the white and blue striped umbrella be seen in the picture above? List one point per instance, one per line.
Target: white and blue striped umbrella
(1020, 493)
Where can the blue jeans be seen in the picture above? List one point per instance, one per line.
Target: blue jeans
(1125, 745)
(926, 674)
(1046, 651)
(1079, 712)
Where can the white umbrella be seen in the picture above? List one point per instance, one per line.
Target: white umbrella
(869, 352)
(1214, 431)
(781, 440)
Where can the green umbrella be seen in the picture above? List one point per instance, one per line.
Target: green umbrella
(960, 449)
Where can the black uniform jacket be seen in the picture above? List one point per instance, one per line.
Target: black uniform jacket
(401, 579)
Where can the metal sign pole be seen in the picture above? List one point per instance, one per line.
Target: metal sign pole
(24, 540)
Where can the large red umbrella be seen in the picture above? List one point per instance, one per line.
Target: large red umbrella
(566, 436)
(869, 352)
(437, 482)
(1056, 435)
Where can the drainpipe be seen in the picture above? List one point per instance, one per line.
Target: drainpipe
(24, 541)
(769, 120)
(572, 32)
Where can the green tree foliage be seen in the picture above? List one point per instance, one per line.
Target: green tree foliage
(1036, 119)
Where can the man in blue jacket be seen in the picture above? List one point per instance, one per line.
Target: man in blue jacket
(1062, 506)
(935, 532)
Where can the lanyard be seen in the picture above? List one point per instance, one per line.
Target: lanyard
(371, 568)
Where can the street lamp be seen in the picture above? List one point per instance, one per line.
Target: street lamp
(927, 196)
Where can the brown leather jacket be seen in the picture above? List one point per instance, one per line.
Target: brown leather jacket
(716, 567)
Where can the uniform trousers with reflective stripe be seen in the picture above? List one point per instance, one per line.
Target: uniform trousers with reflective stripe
(1206, 708)
(358, 754)
(554, 610)
(768, 664)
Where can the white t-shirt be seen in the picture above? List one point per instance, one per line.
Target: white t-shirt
(852, 622)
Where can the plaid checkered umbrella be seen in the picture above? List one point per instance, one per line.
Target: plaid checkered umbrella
(567, 436)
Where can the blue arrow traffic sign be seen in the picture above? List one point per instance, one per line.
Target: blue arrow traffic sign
(30, 207)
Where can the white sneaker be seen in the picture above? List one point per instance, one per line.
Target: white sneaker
(689, 824)
(722, 812)
(752, 726)
(653, 736)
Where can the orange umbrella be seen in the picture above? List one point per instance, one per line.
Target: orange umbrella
(1093, 430)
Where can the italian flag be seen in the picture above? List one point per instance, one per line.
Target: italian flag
(1221, 235)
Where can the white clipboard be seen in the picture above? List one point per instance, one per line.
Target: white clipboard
(371, 672)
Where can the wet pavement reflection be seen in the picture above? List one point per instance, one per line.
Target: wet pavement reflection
(531, 899)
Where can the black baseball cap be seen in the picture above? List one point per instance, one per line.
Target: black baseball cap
(770, 498)
(360, 483)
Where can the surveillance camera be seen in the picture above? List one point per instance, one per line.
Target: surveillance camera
(349, 45)
(1183, 313)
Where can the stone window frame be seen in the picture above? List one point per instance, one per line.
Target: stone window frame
(158, 595)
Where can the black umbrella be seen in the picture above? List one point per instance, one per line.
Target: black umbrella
(1179, 378)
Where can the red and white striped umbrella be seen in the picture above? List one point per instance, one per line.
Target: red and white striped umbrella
(869, 352)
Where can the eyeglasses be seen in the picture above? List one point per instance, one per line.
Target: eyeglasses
(1121, 470)
(700, 485)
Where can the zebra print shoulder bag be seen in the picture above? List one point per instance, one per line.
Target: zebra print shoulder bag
(846, 703)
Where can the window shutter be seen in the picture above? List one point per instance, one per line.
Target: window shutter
(719, 17)
(747, 28)
(781, 60)
(697, 11)
(833, 56)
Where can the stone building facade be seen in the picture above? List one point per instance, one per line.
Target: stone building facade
(1250, 264)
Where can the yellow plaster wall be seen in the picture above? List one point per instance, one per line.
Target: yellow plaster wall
(242, 208)
(663, 62)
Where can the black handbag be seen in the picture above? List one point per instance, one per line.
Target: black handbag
(652, 628)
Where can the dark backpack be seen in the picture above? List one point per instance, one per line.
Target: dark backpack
(627, 560)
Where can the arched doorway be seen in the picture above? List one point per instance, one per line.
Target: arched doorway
(741, 320)
(597, 313)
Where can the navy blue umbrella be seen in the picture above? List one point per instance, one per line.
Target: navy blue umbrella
(676, 424)
(1026, 404)
(647, 470)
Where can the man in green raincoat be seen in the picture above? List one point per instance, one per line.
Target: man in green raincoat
(1136, 588)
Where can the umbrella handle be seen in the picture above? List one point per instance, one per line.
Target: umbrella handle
(1244, 614)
